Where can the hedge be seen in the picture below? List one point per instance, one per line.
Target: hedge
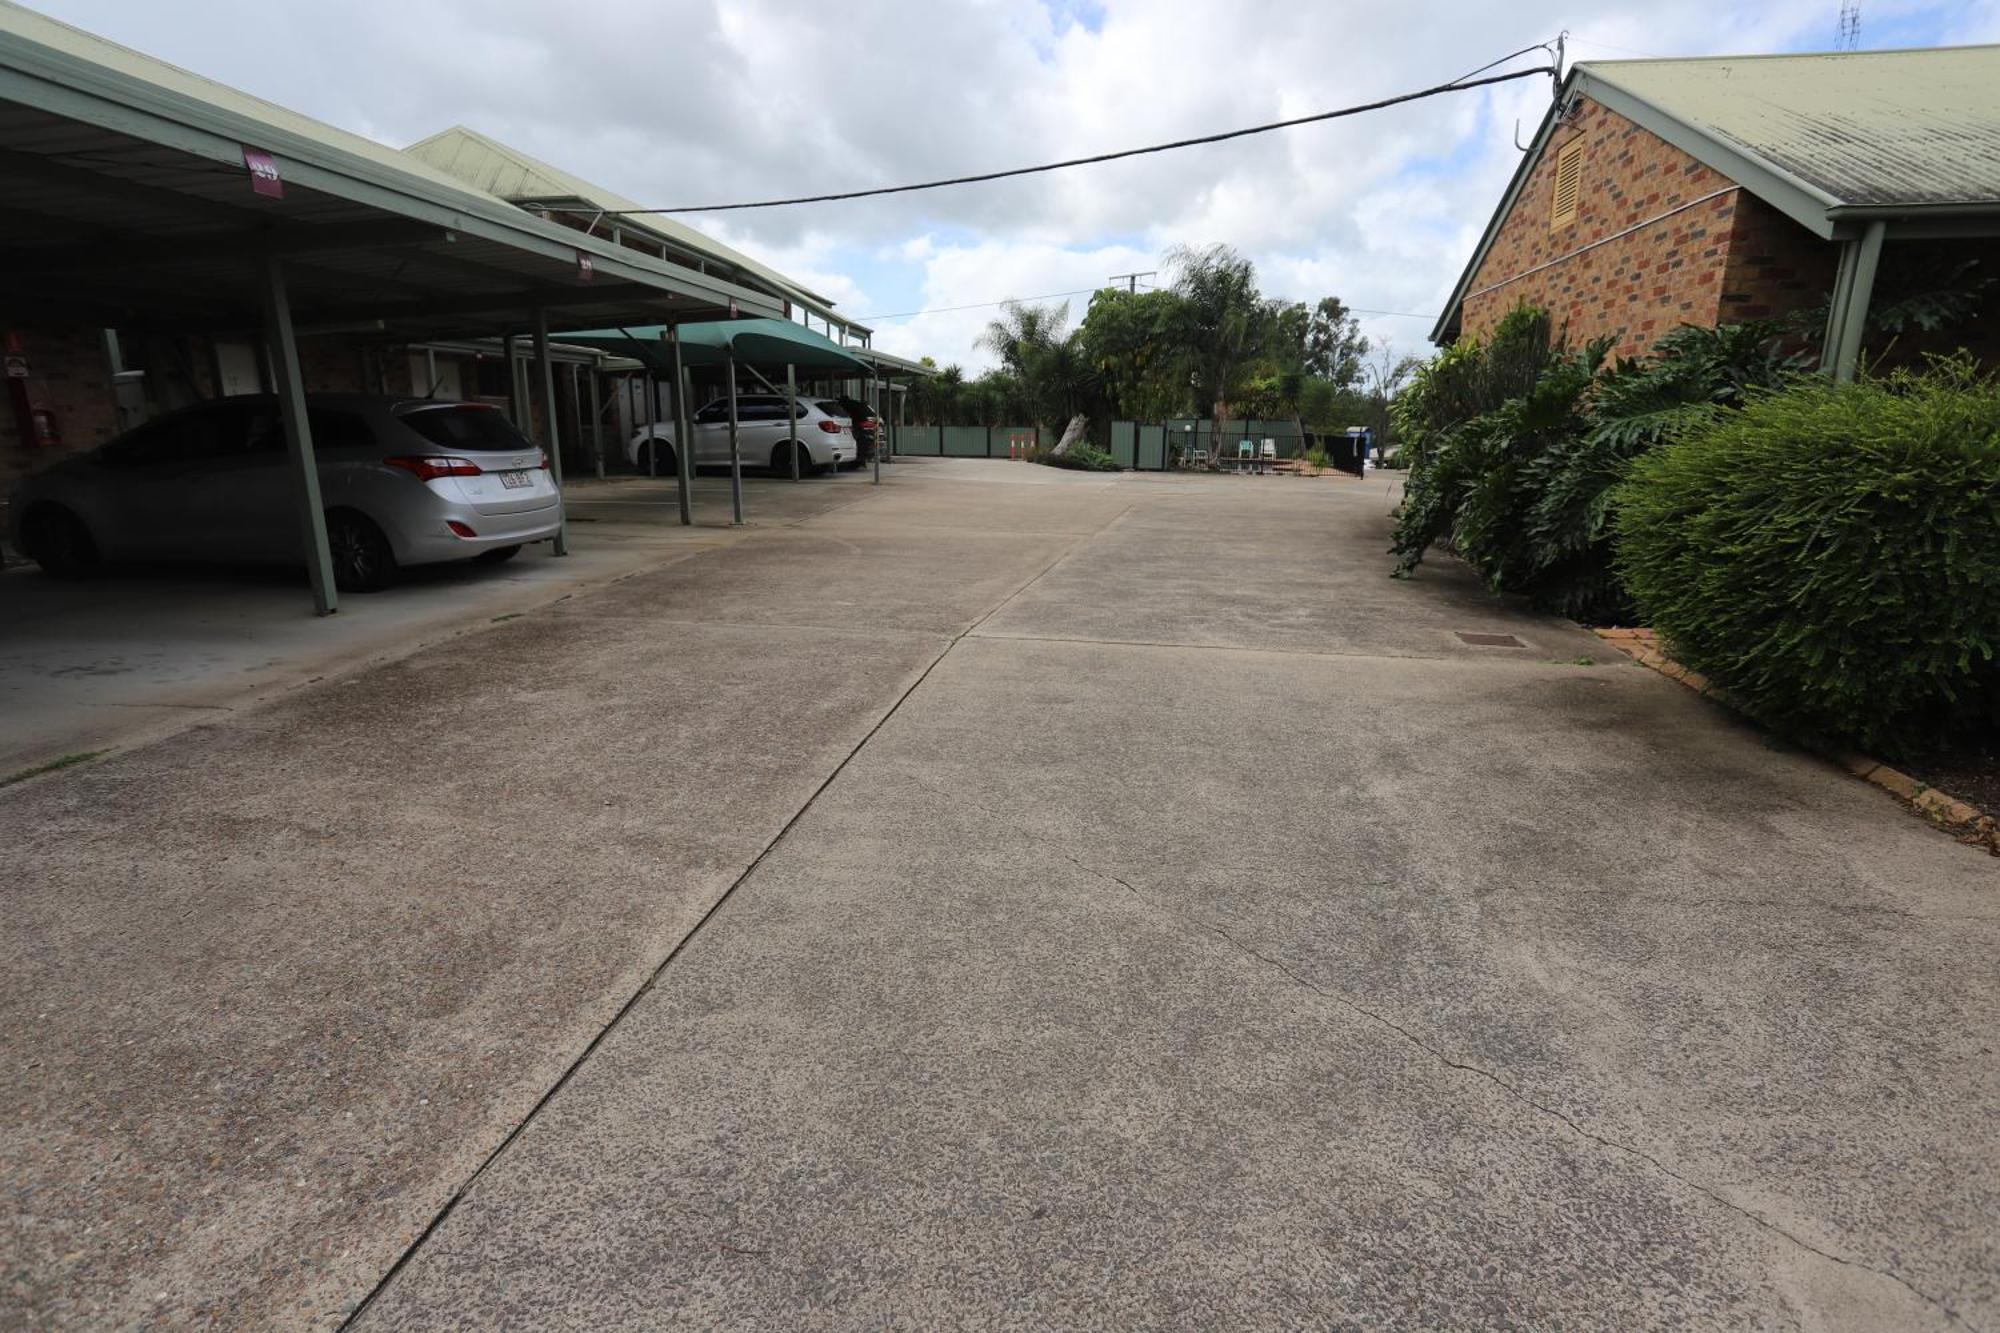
(1831, 555)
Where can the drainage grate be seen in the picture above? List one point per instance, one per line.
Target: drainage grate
(1491, 640)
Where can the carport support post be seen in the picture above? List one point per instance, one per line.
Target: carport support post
(881, 425)
(792, 416)
(1847, 315)
(284, 349)
(596, 422)
(547, 375)
(683, 431)
(652, 392)
(735, 453)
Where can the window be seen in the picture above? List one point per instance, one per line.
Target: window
(338, 430)
(749, 407)
(1569, 184)
(465, 426)
(183, 437)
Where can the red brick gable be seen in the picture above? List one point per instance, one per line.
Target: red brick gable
(1658, 241)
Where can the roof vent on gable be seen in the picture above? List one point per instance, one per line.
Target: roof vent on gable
(1569, 184)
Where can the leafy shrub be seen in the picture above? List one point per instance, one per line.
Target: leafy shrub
(1689, 378)
(1317, 459)
(1518, 444)
(1079, 457)
(1438, 418)
(1831, 554)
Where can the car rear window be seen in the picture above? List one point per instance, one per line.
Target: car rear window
(464, 426)
(833, 410)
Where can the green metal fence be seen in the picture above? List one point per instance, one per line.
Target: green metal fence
(1146, 445)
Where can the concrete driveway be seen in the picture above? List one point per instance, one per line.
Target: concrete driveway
(1013, 899)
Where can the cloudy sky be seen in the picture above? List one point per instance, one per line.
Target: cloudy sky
(677, 102)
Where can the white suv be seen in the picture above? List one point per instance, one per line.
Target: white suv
(825, 437)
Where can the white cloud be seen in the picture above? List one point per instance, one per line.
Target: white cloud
(969, 275)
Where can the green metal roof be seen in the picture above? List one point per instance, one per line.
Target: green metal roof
(1826, 138)
(1907, 129)
(467, 155)
(756, 342)
(893, 365)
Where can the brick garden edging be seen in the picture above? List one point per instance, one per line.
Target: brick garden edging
(1964, 821)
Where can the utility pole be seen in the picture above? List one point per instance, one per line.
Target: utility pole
(1850, 26)
(1132, 279)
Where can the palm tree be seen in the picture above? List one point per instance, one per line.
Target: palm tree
(1226, 319)
(1047, 360)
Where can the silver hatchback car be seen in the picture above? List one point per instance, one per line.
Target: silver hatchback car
(405, 481)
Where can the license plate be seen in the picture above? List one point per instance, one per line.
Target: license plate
(515, 481)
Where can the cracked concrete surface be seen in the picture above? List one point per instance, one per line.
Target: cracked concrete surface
(1169, 923)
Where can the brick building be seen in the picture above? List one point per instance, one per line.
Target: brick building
(1658, 193)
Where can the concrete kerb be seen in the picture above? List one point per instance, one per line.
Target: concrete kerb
(1954, 816)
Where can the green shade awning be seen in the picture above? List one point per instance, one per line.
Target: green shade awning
(754, 342)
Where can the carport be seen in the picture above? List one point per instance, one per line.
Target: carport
(883, 368)
(665, 349)
(143, 197)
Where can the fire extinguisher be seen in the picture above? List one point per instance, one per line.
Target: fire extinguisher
(37, 425)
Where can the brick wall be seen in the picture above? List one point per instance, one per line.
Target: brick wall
(69, 375)
(1668, 272)
(1773, 266)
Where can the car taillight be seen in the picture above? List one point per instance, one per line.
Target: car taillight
(459, 528)
(830, 427)
(425, 467)
(544, 464)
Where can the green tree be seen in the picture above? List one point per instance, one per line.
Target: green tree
(1136, 345)
(1226, 325)
(1334, 348)
(1046, 359)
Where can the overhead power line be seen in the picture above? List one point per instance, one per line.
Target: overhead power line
(1456, 85)
(1082, 291)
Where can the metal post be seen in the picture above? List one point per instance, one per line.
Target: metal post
(735, 453)
(551, 425)
(652, 392)
(792, 416)
(284, 350)
(596, 424)
(875, 398)
(683, 430)
(1859, 287)
(430, 371)
(513, 384)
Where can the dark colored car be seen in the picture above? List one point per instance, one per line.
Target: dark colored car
(867, 430)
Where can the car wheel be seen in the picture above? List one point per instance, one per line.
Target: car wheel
(781, 460)
(362, 558)
(499, 555)
(665, 465)
(58, 541)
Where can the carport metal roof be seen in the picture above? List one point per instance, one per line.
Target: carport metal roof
(130, 201)
(754, 342)
(505, 171)
(893, 365)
